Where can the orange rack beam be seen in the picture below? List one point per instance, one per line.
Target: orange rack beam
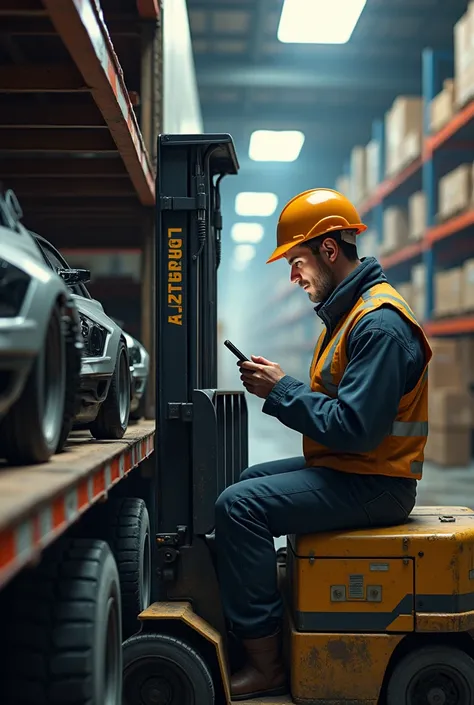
(403, 255)
(389, 186)
(81, 27)
(450, 326)
(450, 227)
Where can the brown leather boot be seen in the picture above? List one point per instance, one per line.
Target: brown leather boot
(264, 673)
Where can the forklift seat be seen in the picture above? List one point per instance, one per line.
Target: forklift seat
(421, 521)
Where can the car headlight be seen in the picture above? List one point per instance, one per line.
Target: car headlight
(14, 284)
(94, 337)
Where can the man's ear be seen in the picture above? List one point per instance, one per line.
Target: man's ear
(329, 249)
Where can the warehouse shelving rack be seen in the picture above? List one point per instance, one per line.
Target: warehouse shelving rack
(444, 244)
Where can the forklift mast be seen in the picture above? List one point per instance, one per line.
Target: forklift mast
(201, 431)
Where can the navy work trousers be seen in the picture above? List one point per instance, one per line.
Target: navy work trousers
(286, 497)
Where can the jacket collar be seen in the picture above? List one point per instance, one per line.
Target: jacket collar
(345, 295)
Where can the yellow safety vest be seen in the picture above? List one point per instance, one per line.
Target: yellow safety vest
(401, 453)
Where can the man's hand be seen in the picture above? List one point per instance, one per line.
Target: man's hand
(260, 376)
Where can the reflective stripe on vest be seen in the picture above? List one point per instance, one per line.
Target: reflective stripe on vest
(416, 467)
(326, 375)
(409, 429)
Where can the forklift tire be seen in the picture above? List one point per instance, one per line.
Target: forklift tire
(433, 674)
(112, 420)
(158, 668)
(128, 534)
(65, 635)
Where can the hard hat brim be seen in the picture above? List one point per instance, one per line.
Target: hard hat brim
(281, 250)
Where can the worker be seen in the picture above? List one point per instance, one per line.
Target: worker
(363, 419)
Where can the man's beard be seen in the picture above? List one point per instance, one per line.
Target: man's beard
(324, 286)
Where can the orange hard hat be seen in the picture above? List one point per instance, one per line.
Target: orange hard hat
(312, 214)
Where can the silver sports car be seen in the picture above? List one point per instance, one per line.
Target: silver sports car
(139, 368)
(105, 374)
(40, 346)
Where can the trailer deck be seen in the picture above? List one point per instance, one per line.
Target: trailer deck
(39, 502)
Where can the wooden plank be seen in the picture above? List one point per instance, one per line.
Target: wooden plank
(81, 26)
(63, 167)
(20, 116)
(41, 79)
(65, 140)
(37, 25)
(21, 8)
(92, 187)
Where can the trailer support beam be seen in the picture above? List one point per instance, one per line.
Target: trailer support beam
(82, 29)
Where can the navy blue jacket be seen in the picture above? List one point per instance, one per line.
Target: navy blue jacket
(386, 358)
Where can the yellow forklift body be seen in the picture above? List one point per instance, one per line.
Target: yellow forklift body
(353, 596)
(418, 576)
(340, 668)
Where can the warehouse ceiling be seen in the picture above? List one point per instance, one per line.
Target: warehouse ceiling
(249, 80)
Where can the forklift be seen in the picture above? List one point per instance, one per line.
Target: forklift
(381, 616)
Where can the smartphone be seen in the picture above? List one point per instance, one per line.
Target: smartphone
(236, 351)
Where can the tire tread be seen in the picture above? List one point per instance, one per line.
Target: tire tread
(53, 660)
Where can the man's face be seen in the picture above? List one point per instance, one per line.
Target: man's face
(311, 273)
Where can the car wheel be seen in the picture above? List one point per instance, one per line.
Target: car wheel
(31, 431)
(139, 412)
(73, 377)
(112, 420)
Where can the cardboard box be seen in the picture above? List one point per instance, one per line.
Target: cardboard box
(449, 448)
(343, 185)
(417, 216)
(464, 57)
(455, 191)
(418, 276)
(368, 246)
(410, 148)
(358, 174)
(448, 292)
(466, 356)
(449, 408)
(467, 296)
(418, 282)
(464, 87)
(372, 158)
(445, 369)
(461, 43)
(406, 291)
(442, 106)
(404, 119)
(395, 228)
(418, 304)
